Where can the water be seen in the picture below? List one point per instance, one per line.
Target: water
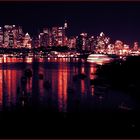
(55, 99)
(65, 94)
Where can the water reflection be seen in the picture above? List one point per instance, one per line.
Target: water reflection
(64, 85)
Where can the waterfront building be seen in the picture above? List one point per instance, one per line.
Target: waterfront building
(91, 43)
(15, 36)
(20, 37)
(27, 41)
(119, 47)
(56, 36)
(12, 36)
(35, 43)
(79, 42)
(11, 39)
(72, 42)
(82, 42)
(102, 42)
(135, 46)
(44, 39)
(7, 29)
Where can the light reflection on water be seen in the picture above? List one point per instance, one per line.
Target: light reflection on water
(65, 94)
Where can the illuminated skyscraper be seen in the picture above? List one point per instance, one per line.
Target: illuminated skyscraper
(13, 36)
(91, 43)
(61, 38)
(65, 25)
(44, 39)
(84, 38)
(20, 37)
(72, 42)
(136, 46)
(7, 30)
(27, 41)
(54, 36)
(11, 39)
(81, 42)
(35, 43)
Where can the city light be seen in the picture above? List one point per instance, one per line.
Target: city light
(55, 39)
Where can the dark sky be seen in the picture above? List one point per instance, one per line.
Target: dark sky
(119, 20)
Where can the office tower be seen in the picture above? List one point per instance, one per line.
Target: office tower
(102, 42)
(65, 25)
(15, 35)
(81, 42)
(27, 41)
(46, 37)
(20, 37)
(6, 36)
(135, 46)
(43, 39)
(11, 39)
(54, 36)
(118, 44)
(35, 42)
(61, 37)
(118, 47)
(91, 43)
(72, 42)
(58, 36)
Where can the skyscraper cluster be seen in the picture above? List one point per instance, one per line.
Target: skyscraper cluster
(56, 36)
(12, 36)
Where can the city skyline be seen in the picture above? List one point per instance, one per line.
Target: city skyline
(13, 36)
(119, 20)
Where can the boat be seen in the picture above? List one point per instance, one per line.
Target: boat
(99, 58)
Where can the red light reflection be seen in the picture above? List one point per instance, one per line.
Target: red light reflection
(62, 88)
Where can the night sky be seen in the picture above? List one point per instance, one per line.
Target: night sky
(116, 20)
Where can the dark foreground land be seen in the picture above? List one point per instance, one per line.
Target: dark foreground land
(76, 125)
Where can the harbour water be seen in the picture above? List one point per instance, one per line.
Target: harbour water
(65, 90)
(60, 86)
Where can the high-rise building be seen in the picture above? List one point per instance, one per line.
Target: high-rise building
(61, 38)
(91, 43)
(11, 39)
(135, 46)
(20, 37)
(79, 42)
(7, 29)
(35, 43)
(102, 42)
(44, 39)
(27, 41)
(13, 36)
(119, 47)
(82, 42)
(65, 25)
(54, 36)
(72, 42)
